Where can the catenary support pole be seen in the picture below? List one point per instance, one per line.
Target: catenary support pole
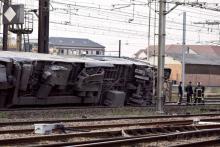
(149, 29)
(161, 55)
(5, 30)
(119, 49)
(183, 51)
(19, 42)
(43, 26)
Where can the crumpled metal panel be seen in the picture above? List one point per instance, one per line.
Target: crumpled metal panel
(26, 73)
(3, 76)
(115, 98)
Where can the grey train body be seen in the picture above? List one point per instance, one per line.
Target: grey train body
(41, 79)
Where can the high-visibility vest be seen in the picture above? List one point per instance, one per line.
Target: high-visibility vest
(199, 93)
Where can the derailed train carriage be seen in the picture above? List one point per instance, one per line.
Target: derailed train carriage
(42, 79)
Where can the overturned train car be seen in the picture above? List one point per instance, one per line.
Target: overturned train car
(41, 79)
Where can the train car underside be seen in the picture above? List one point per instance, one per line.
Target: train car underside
(39, 79)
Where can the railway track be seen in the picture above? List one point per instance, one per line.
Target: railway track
(207, 143)
(55, 108)
(87, 128)
(144, 139)
(14, 123)
(107, 133)
(115, 138)
(13, 109)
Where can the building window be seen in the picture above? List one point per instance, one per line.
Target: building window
(97, 52)
(87, 52)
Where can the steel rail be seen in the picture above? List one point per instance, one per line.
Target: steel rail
(107, 126)
(14, 123)
(109, 142)
(206, 143)
(144, 139)
(56, 108)
(88, 107)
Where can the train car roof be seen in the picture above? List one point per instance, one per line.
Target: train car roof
(119, 61)
(7, 56)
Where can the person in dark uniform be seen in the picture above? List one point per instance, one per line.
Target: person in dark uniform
(180, 93)
(189, 91)
(199, 93)
(203, 93)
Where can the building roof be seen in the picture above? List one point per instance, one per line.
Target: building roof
(140, 52)
(210, 50)
(196, 59)
(74, 42)
(198, 49)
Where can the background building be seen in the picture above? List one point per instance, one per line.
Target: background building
(72, 46)
(202, 63)
(76, 46)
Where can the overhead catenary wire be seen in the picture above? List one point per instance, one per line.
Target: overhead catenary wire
(102, 12)
(145, 16)
(173, 28)
(168, 21)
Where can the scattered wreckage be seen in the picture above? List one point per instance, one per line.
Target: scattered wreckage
(43, 79)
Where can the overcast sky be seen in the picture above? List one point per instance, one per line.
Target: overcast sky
(103, 22)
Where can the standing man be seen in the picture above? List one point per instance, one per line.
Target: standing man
(189, 91)
(199, 93)
(203, 93)
(180, 93)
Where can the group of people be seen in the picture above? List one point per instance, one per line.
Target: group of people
(193, 96)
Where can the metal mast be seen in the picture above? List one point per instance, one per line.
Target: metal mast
(183, 51)
(161, 55)
(5, 30)
(43, 26)
(149, 33)
(119, 49)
